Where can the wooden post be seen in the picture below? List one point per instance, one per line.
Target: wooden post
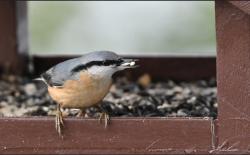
(233, 74)
(13, 26)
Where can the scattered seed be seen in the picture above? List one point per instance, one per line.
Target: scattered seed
(20, 96)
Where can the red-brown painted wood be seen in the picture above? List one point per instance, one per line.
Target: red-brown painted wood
(242, 5)
(233, 80)
(123, 135)
(11, 59)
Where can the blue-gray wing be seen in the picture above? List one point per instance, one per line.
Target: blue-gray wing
(57, 75)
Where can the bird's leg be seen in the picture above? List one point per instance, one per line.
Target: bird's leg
(59, 120)
(81, 113)
(104, 115)
(106, 118)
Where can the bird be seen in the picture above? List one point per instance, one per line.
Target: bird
(83, 82)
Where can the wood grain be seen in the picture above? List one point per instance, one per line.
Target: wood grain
(233, 76)
(122, 136)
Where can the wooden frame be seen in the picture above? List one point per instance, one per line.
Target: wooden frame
(13, 38)
(123, 136)
(229, 134)
(233, 45)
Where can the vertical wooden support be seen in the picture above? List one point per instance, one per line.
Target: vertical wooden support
(22, 27)
(12, 26)
(233, 75)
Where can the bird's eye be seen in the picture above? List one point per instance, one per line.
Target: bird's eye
(119, 61)
(106, 63)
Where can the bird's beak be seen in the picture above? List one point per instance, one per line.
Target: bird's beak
(39, 79)
(129, 63)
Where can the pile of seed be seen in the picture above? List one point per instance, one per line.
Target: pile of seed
(20, 96)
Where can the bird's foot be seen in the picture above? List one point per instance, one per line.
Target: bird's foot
(59, 121)
(106, 118)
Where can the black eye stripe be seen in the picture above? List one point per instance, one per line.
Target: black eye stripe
(96, 63)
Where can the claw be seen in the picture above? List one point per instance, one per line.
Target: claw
(59, 121)
(106, 118)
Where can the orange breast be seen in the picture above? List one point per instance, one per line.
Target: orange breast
(82, 93)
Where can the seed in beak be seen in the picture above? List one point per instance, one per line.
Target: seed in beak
(132, 63)
(129, 63)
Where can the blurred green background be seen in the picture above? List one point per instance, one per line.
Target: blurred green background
(126, 27)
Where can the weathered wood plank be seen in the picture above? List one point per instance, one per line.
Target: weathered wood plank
(11, 59)
(233, 76)
(242, 5)
(123, 135)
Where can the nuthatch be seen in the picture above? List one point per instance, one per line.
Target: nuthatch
(83, 82)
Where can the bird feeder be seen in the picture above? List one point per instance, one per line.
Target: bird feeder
(229, 133)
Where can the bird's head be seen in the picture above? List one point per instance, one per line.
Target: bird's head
(106, 63)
